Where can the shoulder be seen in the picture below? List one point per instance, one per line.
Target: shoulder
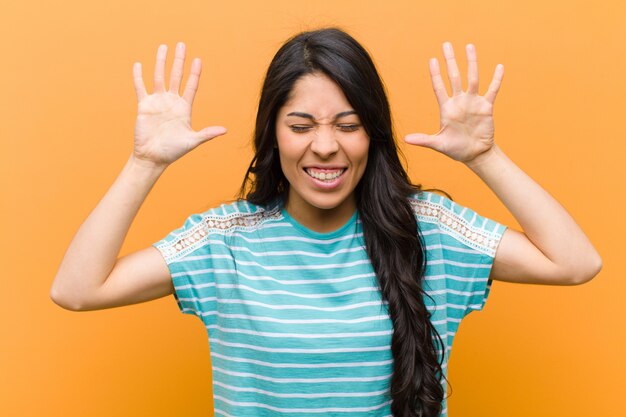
(460, 223)
(240, 215)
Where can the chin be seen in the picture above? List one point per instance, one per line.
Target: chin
(328, 202)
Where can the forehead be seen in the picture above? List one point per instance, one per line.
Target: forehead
(318, 95)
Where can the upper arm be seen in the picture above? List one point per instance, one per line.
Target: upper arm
(135, 278)
(518, 260)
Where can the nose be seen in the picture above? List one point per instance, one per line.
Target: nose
(324, 141)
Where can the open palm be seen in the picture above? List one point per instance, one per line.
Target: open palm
(163, 130)
(467, 128)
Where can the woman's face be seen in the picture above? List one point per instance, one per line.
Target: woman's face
(323, 151)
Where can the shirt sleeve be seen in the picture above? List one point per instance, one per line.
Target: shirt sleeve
(187, 254)
(466, 250)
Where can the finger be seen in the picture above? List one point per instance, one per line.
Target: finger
(140, 88)
(421, 139)
(177, 68)
(159, 69)
(192, 82)
(453, 70)
(494, 87)
(472, 69)
(438, 85)
(209, 133)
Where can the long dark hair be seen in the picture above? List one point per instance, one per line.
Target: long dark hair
(390, 229)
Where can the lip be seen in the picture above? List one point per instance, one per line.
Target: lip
(326, 167)
(326, 185)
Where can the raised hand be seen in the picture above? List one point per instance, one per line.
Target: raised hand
(163, 130)
(466, 118)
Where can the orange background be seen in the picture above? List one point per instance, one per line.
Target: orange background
(68, 109)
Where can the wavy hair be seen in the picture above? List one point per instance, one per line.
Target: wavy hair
(390, 229)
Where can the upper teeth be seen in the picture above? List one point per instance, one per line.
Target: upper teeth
(331, 175)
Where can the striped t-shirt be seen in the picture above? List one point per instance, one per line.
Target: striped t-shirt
(295, 319)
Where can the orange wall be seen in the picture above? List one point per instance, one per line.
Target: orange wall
(68, 110)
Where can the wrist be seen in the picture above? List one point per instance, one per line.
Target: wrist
(484, 159)
(146, 165)
(142, 168)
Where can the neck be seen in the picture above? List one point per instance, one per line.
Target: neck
(321, 220)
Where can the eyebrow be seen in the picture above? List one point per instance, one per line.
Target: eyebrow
(310, 116)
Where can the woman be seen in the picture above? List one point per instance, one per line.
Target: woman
(335, 286)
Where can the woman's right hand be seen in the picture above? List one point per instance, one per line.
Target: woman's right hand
(163, 130)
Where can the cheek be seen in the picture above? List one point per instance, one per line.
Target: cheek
(289, 154)
(285, 162)
(363, 159)
(362, 152)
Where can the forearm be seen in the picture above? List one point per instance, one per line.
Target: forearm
(94, 249)
(543, 220)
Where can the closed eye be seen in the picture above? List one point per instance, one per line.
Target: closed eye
(301, 128)
(348, 127)
(344, 127)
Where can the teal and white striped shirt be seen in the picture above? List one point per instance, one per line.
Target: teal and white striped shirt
(295, 319)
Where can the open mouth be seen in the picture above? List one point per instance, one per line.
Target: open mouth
(326, 175)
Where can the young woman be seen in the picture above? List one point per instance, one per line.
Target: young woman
(335, 287)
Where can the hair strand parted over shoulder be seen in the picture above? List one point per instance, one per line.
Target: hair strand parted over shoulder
(390, 228)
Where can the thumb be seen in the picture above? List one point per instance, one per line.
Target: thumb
(422, 139)
(209, 133)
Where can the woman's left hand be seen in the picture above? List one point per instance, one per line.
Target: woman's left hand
(466, 118)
